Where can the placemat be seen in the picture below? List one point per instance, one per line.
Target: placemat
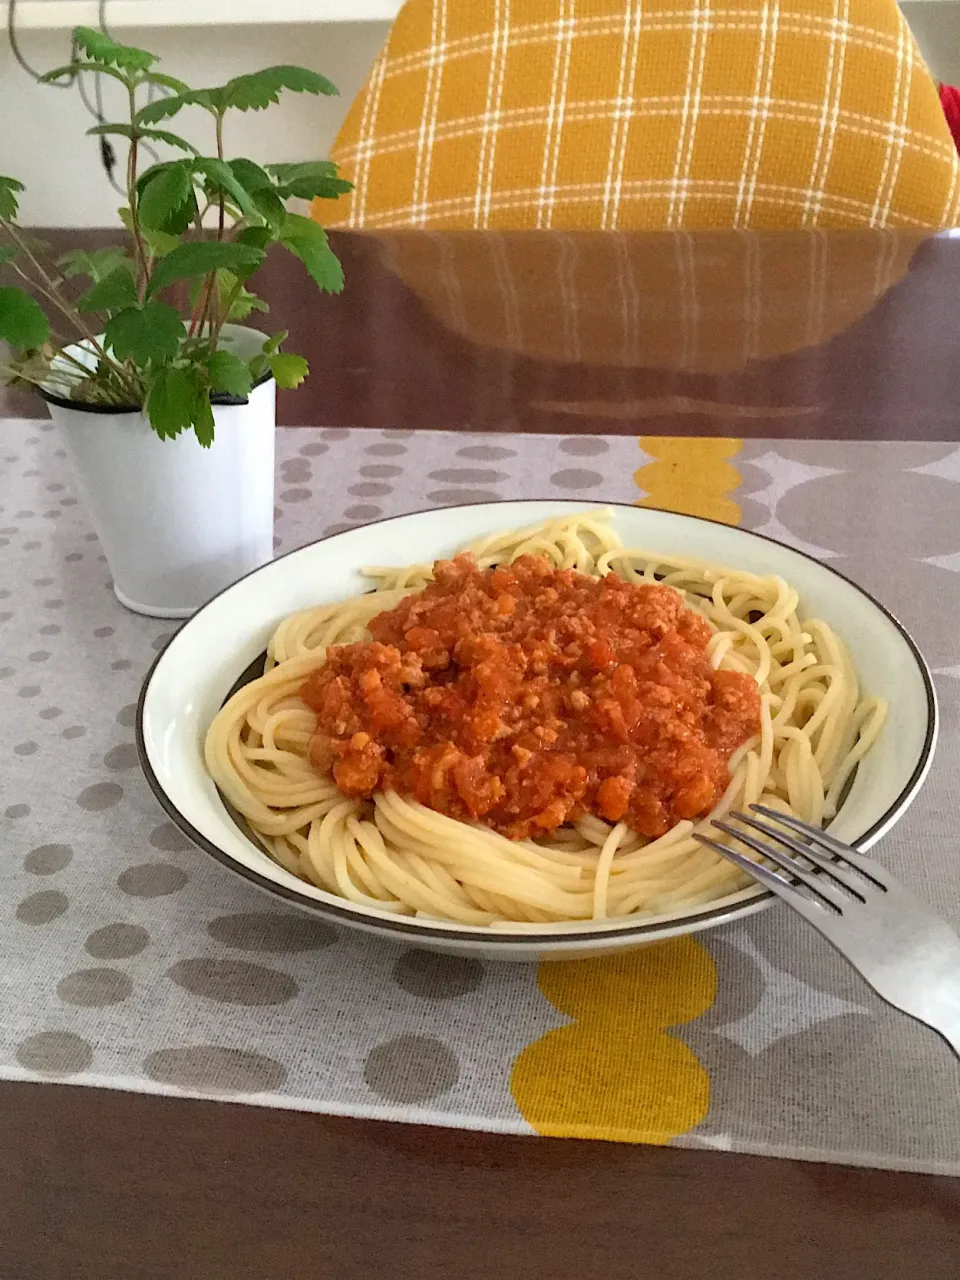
(131, 960)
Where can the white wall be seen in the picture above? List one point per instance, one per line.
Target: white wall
(42, 138)
(42, 129)
(936, 24)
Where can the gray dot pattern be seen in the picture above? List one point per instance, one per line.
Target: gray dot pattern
(95, 988)
(117, 941)
(136, 960)
(267, 931)
(169, 838)
(212, 1068)
(43, 907)
(233, 981)
(139, 957)
(331, 483)
(48, 859)
(54, 1053)
(151, 880)
(411, 1069)
(437, 977)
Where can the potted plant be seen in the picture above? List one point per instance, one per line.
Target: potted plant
(166, 400)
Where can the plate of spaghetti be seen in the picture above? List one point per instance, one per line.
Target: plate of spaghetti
(498, 728)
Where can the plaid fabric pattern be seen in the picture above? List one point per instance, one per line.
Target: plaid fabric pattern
(575, 298)
(648, 114)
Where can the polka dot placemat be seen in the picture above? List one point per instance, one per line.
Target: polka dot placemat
(134, 961)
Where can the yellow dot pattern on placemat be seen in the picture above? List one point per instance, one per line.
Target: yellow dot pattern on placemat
(691, 476)
(616, 1072)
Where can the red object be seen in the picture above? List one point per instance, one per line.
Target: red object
(950, 101)
(525, 696)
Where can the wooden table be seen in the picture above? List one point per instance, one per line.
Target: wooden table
(846, 336)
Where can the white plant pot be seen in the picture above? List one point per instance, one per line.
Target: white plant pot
(177, 522)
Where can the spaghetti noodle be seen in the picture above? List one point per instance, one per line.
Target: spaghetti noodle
(391, 853)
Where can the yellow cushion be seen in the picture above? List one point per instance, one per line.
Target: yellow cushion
(648, 114)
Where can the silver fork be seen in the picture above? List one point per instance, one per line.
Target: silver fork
(895, 942)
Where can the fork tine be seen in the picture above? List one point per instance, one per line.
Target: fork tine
(866, 866)
(809, 907)
(827, 864)
(813, 881)
(755, 869)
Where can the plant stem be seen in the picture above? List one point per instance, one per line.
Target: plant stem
(57, 382)
(49, 290)
(143, 271)
(199, 312)
(9, 372)
(206, 304)
(48, 286)
(210, 306)
(64, 354)
(205, 315)
(222, 212)
(231, 299)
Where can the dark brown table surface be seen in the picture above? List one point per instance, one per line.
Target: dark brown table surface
(850, 335)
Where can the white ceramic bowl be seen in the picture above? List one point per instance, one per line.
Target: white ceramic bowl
(192, 676)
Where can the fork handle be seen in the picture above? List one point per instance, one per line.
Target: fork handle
(942, 1016)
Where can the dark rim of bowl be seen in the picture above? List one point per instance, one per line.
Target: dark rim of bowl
(520, 942)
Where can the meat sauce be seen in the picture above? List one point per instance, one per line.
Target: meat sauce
(524, 697)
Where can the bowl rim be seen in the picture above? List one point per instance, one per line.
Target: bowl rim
(746, 902)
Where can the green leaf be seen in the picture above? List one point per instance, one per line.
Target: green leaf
(166, 82)
(259, 186)
(7, 254)
(155, 135)
(315, 178)
(22, 322)
(95, 263)
(247, 93)
(152, 171)
(70, 69)
(308, 241)
(171, 401)
(203, 425)
(243, 304)
(100, 47)
(288, 370)
(274, 342)
(115, 291)
(303, 169)
(256, 237)
(221, 179)
(200, 256)
(158, 242)
(8, 197)
(167, 202)
(270, 207)
(163, 108)
(257, 91)
(229, 374)
(151, 333)
(250, 175)
(316, 189)
(73, 69)
(229, 293)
